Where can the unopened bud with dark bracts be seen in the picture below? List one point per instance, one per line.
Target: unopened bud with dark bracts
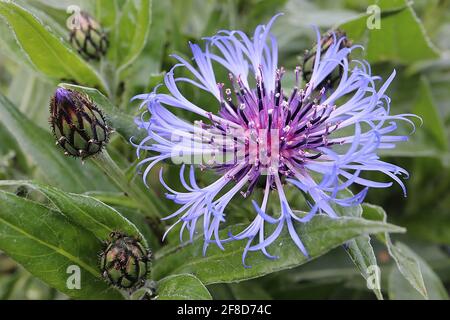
(77, 124)
(310, 57)
(125, 261)
(88, 37)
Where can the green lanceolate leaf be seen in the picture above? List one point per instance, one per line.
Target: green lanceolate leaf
(10, 47)
(48, 54)
(409, 267)
(89, 213)
(182, 287)
(130, 34)
(123, 123)
(406, 263)
(52, 248)
(400, 289)
(427, 109)
(319, 236)
(64, 172)
(400, 36)
(361, 251)
(363, 256)
(106, 11)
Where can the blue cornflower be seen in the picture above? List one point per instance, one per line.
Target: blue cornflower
(320, 138)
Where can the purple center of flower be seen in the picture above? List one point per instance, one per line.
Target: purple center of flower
(278, 132)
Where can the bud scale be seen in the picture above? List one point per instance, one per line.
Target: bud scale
(125, 262)
(88, 37)
(77, 124)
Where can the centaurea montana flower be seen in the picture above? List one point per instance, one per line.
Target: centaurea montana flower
(318, 139)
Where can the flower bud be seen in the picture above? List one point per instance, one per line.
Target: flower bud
(78, 125)
(310, 57)
(125, 262)
(88, 37)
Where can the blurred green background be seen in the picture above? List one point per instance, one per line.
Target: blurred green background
(414, 39)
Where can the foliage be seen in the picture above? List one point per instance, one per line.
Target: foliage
(55, 211)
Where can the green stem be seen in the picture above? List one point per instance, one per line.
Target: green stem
(104, 162)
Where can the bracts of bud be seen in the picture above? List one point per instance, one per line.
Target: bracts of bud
(310, 57)
(77, 124)
(125, 262)
(88, 37)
